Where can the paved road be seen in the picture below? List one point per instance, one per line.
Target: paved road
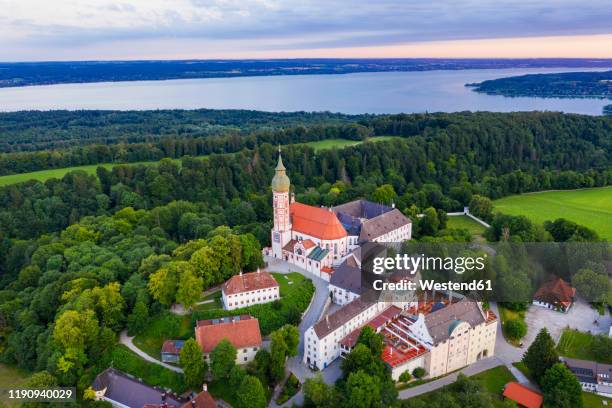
(312, 315)
(477, 367)
(128, 342)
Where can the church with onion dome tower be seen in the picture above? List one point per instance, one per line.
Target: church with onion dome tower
(318, 239)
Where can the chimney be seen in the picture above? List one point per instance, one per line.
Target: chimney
(205, 387)
(327, 320)
(392, 204)
(163, 396)
(258, 271)
(193, 402)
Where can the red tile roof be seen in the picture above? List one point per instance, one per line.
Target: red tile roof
(202, 400)
(172, 346)
(523, 396)
(248, 282)
(555, 290)
(327, 269)
(241, 331)
(316, 221)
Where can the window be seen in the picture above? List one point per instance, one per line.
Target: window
(245, 359)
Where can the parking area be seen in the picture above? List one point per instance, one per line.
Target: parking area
(580, 317)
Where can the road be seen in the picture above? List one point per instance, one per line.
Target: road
(312, 315)
(128, 342)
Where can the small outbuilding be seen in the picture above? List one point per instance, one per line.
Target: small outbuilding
(171, 349)
(524, 396)
(555, 294)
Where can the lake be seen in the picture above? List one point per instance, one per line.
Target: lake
(372, 92)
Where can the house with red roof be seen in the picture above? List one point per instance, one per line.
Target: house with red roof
(318, 239)
(524, 396)
(242, 331)
(247, 289)
(555, 294)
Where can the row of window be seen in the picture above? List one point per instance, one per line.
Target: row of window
(259, 299)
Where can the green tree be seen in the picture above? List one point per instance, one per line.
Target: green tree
(541, 355)
(278, 355)
(251, 394)
(561, 388)
(481, 207)
(236, 376)
(384, 194)
(318, 393)
(418, 372)
(189, 289)
(429, 222)
(138, 320)
(371, 339)
(291, 336)
(362, 390)
(222, 359)
(192, 361)
(515, 329)
(591, 285)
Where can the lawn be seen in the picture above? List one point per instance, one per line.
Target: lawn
(507, 314)
(465, 222)
(342, 143)
(495, 379)
(11, 377)
(163, 327)
(123, 359)
(590, 207)
(216, 303)
(576, 344)
(222, 389)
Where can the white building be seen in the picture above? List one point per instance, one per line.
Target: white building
(318, 239)
(242, 331)
(249, 289)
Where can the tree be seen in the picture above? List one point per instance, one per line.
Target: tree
(418, 372)
(481, 207)
(251, 394)
(291, 335)
(362, 390)
(278, 355)
(591, 285)
(318, 393)
(405, 376)
(138, 319)
(236, 376)
(515, 329)
(360, 358)
(222, 359)
(541, 355)
(561, 388)
(384, 194)
(192, 361)
(190, 289)
(40, 379)
(429, 222)
(372, 340)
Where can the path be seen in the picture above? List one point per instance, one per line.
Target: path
(128, 342)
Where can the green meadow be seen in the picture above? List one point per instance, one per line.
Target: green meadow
(591, 207)
(342, 143)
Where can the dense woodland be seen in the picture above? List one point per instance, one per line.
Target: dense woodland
(85, 256)
(45, 140)
(555, 85)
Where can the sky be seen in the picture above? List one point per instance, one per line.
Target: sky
(37, 30)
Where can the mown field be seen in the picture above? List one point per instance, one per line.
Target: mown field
(589, 207)
(91, 169)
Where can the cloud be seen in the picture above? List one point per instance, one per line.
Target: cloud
(31, 27)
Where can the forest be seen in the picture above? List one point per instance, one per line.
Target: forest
(556, 85)
(34, 141)
(84, 257)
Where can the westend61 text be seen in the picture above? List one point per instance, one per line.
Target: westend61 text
(406, 285)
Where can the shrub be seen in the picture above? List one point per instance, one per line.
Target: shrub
(515, 329)
(418, 372)
(405, 376)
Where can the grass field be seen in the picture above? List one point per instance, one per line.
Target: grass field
(494, 379)
(465, 222)
(589, 207)
(342, 143)
(11, 377)
(59, 173)
(576, 344)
